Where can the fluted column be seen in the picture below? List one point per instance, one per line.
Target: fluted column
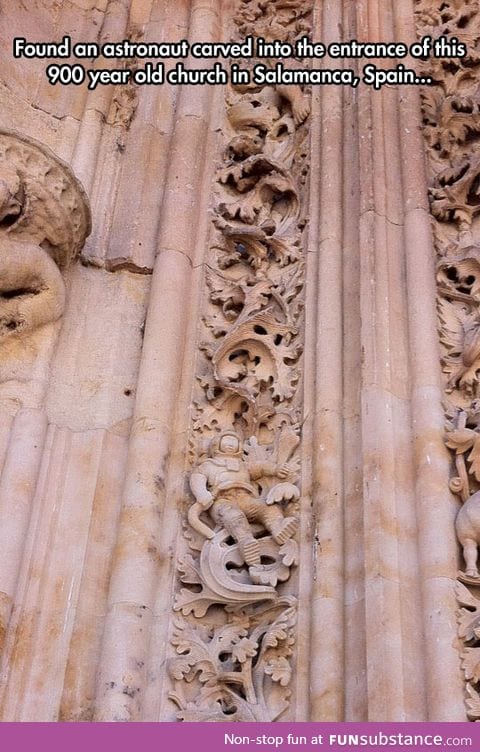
(435, 506)
(324, 280)
(139, 553)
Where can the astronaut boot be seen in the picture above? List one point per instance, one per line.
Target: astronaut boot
(250, 549)
(284, 529)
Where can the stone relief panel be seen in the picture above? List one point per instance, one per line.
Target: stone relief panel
(44, 220)
(451, 116)
(234, 634)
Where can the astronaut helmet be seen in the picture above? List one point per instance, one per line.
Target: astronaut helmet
(227, 443)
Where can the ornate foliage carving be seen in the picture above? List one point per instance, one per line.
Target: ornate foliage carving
(235, 631)
(451, 111)
(238, 671)
(44, 220)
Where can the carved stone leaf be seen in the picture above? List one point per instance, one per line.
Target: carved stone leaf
(472, 703)
(179, 668)
(188, 568)
(459, 131)
(228, 636)
(182, 636)
(224, 290)
(474, 458)
(455, 192)
(189, 602)
(289, 553)
(469, 617)
(244, 649)
(471, 664)
(280, 629)
(196, 657)
(253, 354)
(280, 670)
(461, 440)
(432, 100)
(451, 326)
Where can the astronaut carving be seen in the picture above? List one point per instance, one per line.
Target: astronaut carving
(225, 485)
(44, 220)
(245, 502)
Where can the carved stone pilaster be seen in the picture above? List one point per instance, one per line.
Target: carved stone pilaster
(44, 220)
(451, 111)
(235, 630)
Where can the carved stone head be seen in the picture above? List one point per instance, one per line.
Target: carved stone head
(44, 221)
(227, 443)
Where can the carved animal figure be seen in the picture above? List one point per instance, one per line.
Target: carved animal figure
(44, 220)
(467, 526)
(10, 189)
(32, 291)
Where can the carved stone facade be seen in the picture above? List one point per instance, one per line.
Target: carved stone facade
(224, 478)
(451, 109)
(235, 661)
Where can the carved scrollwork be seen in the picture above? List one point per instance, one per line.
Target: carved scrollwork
(235, 634)
(44, 220)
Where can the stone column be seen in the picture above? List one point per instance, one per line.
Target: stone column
(325, 386)
(140, 552)
(396, 627)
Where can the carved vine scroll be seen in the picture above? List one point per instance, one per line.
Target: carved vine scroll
(235, 626)
(451, 114)
(44, 220)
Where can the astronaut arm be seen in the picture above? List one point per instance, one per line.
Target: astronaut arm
(198, 484)
(265, 469)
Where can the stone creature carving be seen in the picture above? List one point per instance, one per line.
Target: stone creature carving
(44, 220)
(32, 292)
(11, 194)
(285, 21)
(467, 526)
(465, 440)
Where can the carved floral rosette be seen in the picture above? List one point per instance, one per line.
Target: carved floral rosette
(451, 116)
(234, 628)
